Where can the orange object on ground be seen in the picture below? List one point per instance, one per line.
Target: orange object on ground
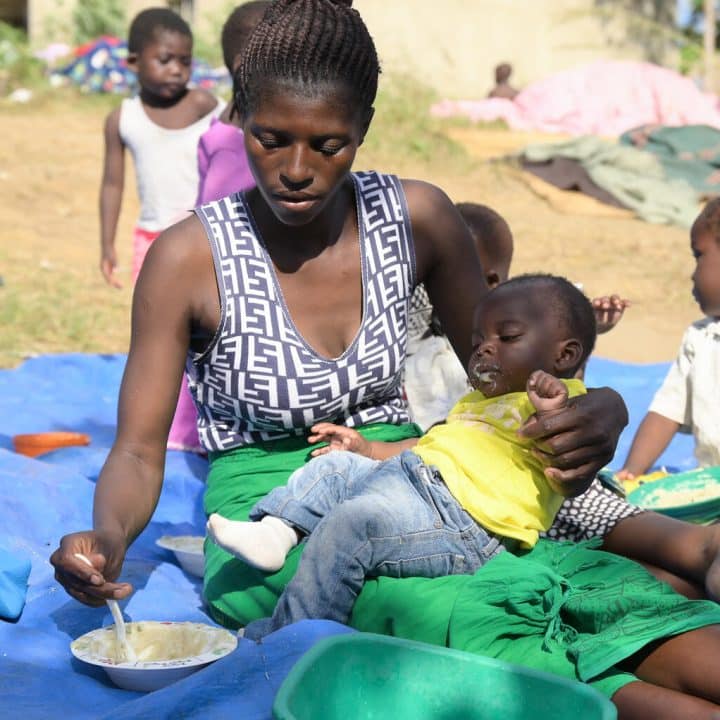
(34, 444)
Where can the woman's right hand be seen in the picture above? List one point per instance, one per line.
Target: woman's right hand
(91, 585)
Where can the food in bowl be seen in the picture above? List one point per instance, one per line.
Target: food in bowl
(166, 651)
(684, 496)
(693, 495)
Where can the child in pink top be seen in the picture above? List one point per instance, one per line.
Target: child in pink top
(223, 170)
(222, 162)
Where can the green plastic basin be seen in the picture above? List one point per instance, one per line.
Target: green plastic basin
(658, 495)
(376, 677)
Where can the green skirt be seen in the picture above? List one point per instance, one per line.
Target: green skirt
(561, 607)
(238, 479)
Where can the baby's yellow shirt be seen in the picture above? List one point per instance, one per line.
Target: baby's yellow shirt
(489, 469)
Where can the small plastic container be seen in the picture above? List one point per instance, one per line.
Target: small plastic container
(188, 550)
(34, 444)
(362, 675)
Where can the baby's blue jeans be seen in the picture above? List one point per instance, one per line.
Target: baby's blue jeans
(365, 518)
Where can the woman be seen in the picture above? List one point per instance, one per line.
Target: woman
(288, 305)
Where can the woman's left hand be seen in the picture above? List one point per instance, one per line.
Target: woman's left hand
(580, 440)
(338, 437)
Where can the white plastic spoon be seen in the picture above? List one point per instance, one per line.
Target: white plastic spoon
(120, 633)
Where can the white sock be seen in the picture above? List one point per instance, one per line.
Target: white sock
(263, 544)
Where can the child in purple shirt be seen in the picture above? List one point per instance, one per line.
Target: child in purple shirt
(223, 170)
(222, 161)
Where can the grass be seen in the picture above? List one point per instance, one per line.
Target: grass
(46, 308)
(403, 133)
(52, 298)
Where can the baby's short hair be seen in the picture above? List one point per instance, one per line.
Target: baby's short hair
(568, 303)
(490, 231)
(238, 28)
(709, 220)
(148, 23)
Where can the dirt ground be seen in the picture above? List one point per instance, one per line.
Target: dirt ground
(53, 299)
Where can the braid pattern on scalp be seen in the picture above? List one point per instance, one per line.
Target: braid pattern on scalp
(310, 44)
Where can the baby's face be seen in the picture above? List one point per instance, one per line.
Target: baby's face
(706, 278)
(514, 334)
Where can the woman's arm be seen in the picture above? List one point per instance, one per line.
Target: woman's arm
(580, 440)
(446, 262)
(127, 491)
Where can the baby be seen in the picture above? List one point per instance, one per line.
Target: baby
(468, 489)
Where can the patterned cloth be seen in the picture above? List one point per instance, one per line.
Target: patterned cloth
(419, 317)
(259, 380)
(590, 515)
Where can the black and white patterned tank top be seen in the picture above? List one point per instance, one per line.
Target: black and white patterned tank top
(259, 380)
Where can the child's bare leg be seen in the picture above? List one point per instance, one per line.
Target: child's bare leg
(687, 663)
(686, 550)
(641, 700)
(264, 544)
(546, 392)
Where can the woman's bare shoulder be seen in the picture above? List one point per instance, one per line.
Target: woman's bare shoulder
(432, 212)
(181, 248)
(424, 198)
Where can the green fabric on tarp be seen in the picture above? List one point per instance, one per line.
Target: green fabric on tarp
(636, 178)
(561, 607)
(237, 480)
(564, 608)
(688, 152)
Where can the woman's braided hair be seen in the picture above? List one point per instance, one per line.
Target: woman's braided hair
(308, 43)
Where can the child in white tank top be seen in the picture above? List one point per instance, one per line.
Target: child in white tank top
(161, 128)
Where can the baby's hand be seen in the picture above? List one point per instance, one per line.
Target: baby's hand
(546, 392)
(338, 437)
(624, 475)
(608, 311)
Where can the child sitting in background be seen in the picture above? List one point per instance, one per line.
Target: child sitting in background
(689, 397)
(493, 240)
(502, 88)
(468, 487)
(222, 161)
(161, 127)
(223, 169)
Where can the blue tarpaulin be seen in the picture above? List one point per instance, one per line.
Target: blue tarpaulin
(44, 498)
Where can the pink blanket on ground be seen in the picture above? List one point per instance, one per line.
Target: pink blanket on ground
(602, 98)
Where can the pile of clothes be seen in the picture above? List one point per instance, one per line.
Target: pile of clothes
(100, 66)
